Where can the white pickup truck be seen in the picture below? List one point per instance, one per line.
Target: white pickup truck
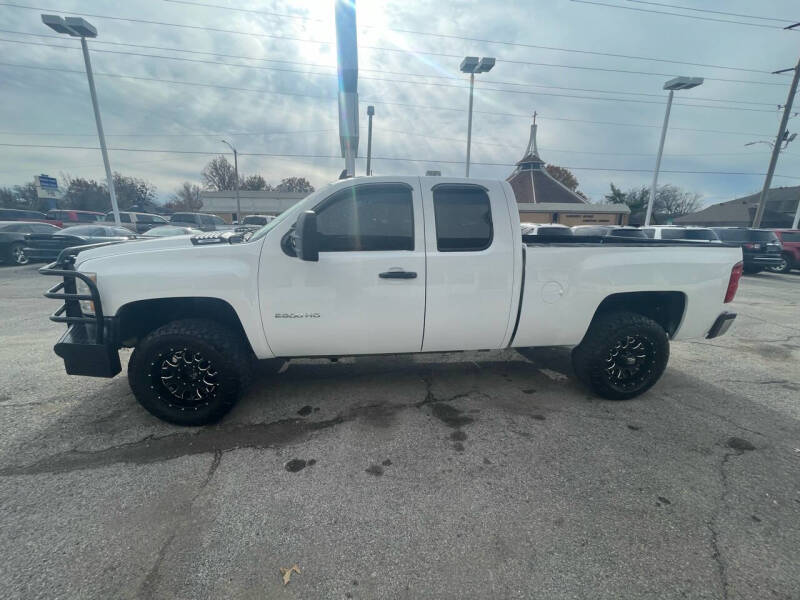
(381, 265)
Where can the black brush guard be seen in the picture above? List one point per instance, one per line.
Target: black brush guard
(89, 346)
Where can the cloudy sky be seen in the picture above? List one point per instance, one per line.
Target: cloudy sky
(177, 76)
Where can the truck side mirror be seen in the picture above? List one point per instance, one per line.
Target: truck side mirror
(305, 238)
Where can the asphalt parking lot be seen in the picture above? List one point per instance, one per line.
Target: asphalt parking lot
(480, 475)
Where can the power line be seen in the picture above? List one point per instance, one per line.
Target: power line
(364, 46)
(473, 39)
(674, 14)
(513, 83)
(386, 158)
(383, 102)
(703, 10)
(158, 134)
(386, 80)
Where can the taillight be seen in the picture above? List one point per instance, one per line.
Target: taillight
(750, 246)
(733, 282)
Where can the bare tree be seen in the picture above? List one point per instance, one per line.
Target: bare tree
(186, 198)
(294, 184)
(675, 202)
(254, 183)
(219, 175)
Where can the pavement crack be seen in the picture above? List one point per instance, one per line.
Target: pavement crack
(213, 468)
(147, 589)
(712, 523)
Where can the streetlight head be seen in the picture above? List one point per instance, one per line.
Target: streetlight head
(683, 83)
(81, 27)
(485, 65)
(469, 64)
(57, 24)
(370, 110)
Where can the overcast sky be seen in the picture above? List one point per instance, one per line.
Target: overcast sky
(289, 107)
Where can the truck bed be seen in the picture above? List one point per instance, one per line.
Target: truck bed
(566, 280)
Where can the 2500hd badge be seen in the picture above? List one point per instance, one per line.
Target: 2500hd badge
(297, 315)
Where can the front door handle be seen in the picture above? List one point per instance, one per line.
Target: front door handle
(398, 275)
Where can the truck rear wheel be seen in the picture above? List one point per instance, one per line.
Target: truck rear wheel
(622, 355)
(190, 372)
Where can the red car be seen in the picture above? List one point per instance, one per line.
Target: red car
(790, 238)
(65, 218)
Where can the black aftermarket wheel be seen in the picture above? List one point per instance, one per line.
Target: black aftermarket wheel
(622, 355)
(189, 372)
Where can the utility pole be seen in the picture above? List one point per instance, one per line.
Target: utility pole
(236, 179)
(796, 215)
(776, 150)
(347, 68)
(370, 114)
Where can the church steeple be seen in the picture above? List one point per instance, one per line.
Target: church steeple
(531, 159)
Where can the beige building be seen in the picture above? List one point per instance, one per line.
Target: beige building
(543, 199)
(262, 202)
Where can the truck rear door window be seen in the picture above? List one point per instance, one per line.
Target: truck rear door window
(463, 217)
(368, 217)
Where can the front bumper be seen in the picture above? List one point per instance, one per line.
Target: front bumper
(89, 346)
(721, 325)
(84, 356)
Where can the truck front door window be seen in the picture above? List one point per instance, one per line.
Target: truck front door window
(463, 218)
(370, 217)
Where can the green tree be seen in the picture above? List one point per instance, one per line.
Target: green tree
(670, 202)
(564, 176)
(186, 198)
(86, 194)
(132, 191)
(295, 184)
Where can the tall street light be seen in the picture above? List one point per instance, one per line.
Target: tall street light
(370, 114)
(77, 27)
(679, 83)
(472, 65)
(236, 179)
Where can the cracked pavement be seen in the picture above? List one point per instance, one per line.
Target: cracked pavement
(486, 474)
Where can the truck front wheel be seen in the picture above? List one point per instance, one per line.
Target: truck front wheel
(189, 372)
(622, 355)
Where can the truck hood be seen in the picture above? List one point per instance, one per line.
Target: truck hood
(133, 247)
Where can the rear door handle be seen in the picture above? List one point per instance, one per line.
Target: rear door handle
(398, 275)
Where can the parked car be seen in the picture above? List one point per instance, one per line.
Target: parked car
(14, 214)
(171, 230)
(12, 239)
(47, 246)
(199, 221)
(790, 254)
(673, 232)
(549, 229)
(383, 265)
(761, 248)
(608, 231)
(74, 217)
(256, 220)
(137, 222)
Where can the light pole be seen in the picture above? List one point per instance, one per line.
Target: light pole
(236, 179)
(679, 83)
(77, 27)
(472, 65)
(370, 114)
